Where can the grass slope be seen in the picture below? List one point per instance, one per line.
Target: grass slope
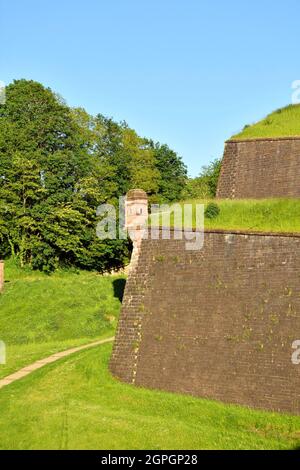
(269, 215)
(284, 122)
(77, 404)
(41, 314)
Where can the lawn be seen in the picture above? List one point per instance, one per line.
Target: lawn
(77, 404)
(284, 122)
(263, 215)
(42, 314)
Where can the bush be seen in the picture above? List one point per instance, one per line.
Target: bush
(205, 185)
(212, 211)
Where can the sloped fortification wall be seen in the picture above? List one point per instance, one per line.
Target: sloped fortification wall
(216, 323)
(262, 168)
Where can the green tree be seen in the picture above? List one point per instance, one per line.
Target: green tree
(130, 155)
(110, 149)
(205, 185)
(51, 182)
(172, 171)
(57, 165)
(142, 166)
(19, 192)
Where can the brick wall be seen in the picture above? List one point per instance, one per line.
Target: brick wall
(261, 168)
(216, 323)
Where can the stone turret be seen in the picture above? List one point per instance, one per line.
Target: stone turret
(136, 216)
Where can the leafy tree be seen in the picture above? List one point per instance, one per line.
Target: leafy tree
(204, 186)
(57, 165)
(20, 190)
(51, 183)
(110, 149)
(131, 156)
(196, 188)
(139, 163)
(172, 171)
(142, 166)
(211, 174)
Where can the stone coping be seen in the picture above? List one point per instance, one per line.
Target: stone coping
(231, 232)
(134, 194)
(261, 139)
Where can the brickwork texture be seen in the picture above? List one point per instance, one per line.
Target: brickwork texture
(218, 323)
(263, 168)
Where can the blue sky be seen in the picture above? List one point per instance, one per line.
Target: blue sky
(188, 73)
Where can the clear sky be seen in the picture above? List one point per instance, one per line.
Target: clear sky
(188, 73)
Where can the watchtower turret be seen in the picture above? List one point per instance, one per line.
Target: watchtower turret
(136, 216)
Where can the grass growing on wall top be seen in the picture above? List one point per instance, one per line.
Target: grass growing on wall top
(267, 215)
(41, 314)
(284, 122)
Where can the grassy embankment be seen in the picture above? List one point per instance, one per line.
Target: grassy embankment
(41, 314)
(76, 404)
(284, 122)
(267, 215)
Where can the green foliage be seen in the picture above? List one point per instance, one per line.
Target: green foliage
(140, 163)
(172, 171)
(212, 211)
(284, 122)
(129, 155)
(51, 184)
(204, 186)
(196, 188)
(57, 165)
(210, 174)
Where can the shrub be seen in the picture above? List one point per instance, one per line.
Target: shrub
(205, 185)
(212, 211)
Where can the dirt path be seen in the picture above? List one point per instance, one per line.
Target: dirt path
(48, 360)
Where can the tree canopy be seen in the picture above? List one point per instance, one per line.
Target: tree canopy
(204, 186)
(57, 165)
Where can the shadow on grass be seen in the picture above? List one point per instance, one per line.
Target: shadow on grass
(119, 287)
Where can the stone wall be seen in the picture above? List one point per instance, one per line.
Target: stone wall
(216, 323)
(262, 168)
